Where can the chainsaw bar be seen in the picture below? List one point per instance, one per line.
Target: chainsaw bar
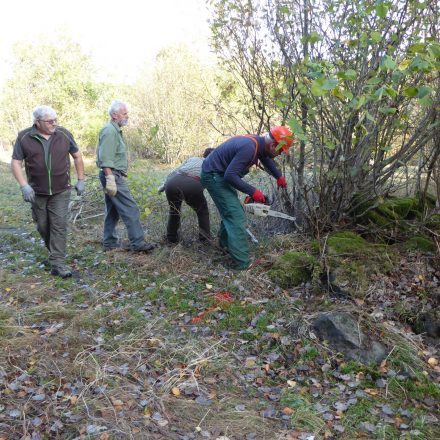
(261, 210)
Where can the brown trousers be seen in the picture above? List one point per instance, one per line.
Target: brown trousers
(50, 215)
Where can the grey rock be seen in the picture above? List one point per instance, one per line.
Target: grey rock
(343, 334)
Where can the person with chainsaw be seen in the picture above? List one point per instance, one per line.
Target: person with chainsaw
(183, 184)
(222, 175)
(119, 203)
(45, 148)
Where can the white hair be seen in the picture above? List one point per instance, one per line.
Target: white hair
(268, 137)
(41, 111)
(115, 106)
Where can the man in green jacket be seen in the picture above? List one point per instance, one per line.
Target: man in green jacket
(45, 149)
(119, 203)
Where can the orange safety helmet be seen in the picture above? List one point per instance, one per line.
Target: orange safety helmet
(283, 136)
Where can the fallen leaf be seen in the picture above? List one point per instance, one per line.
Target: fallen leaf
(288, 411)
(175, 391)
(371, 391)
(432, 361)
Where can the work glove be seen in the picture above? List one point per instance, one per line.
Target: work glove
(281, 182)
(80, 187)
(258, 196)
(110, 185)
(161, 188)
(28, 193)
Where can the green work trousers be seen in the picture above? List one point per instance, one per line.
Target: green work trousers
(232, 234)
(50, 215)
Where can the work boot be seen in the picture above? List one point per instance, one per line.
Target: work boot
(45, 264)
(112, 247)
(61, 271)
(146, 247)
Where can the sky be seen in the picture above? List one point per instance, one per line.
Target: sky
(119, 35)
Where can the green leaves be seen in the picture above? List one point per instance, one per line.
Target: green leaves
(349, 74)
(410, 91)
(312, 38)
(434, 50)
(387, 110)
(322, 86)
(387, 63)
(297, 129)
(381, 9)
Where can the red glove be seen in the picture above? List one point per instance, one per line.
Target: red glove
(258, 196)
(281, 182)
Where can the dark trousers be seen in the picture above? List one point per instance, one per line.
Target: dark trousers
(121, 206)
(50, 215)
(185, 188)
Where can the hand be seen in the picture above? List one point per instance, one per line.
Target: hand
(28, 193)
(110, 185)
(258, 196)
(281, 182)
(80, 187)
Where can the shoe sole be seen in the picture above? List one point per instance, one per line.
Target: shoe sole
(56, 273)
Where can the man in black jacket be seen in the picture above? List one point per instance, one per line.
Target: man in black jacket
(45, 149)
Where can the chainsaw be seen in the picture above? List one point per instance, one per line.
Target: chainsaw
(262, 210)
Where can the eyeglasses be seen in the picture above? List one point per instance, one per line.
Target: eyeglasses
(50, 121)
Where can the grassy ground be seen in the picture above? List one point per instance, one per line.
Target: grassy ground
(172, 345)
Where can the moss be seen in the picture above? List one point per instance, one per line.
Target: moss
(292, 269)
(392, 215)
(352, 259)
(421, 243)
(346, 242)
(401, 208)
(434, 222)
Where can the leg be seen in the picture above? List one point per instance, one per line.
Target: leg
(57, 210)
(40, 217)
(111, 218)
(233, 217)
(174, 197)
(128, 211)
(193, 193)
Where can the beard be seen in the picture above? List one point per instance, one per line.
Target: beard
(123, 122)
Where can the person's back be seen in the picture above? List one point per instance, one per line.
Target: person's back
(183, 184)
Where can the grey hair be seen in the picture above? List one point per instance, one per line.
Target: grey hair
(268, 137)
(115, 106)
(41, 111)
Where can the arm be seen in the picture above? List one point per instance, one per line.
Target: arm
(270, 167)
(79, 165)
(239, 165)
(17, 172)
(26, 190)
(108, 141)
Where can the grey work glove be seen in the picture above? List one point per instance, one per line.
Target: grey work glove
(110, 185)
(28, 193)
(80, 187)
(161, 188)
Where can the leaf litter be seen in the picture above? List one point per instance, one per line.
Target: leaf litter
(200, 354)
